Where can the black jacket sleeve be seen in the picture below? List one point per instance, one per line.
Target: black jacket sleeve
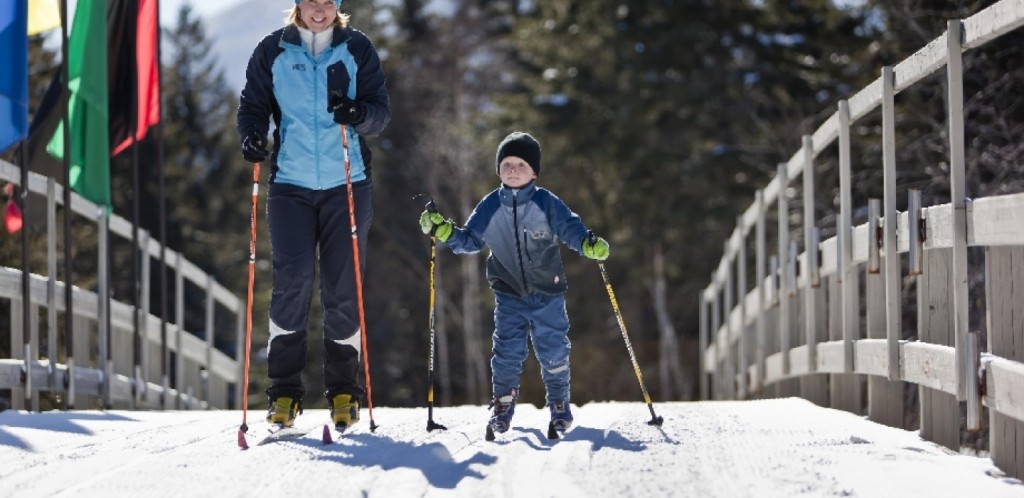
(371, 89)
(257, 102)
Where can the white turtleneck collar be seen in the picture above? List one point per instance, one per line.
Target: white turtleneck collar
(316, 42)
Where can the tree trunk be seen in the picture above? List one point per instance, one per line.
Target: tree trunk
(669, 369)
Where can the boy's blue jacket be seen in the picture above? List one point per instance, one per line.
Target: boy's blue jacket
(522, 227)
(284, 81)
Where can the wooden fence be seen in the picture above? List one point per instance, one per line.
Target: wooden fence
(175, 368)
(827, 324)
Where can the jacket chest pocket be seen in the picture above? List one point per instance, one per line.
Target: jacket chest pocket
(338, 77)
(537, 243)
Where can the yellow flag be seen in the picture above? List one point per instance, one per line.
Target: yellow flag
(43, 15)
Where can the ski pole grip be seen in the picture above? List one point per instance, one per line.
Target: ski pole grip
(431, 207)
(591, 238)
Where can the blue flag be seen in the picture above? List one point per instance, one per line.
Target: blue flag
(14, 76)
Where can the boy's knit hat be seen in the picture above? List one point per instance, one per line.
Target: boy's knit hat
(519, 144)
(337, 3)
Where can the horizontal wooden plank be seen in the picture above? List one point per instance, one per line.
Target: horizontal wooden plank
(929, 365)
(87, 383)
(860, 244)
(1004, 381)
(773, 368)
(826, 134)
(710, 358)
(938, 222)
(996, 221)
(10, 288)
(829, 257)
(920, 64)
(866, 100)
(992, 23)
(830, 357)
(871, 357)
(798, 361)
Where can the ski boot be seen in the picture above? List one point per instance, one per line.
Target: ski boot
(344, 411)
(561, 418)
(502, 409)
(283, 411)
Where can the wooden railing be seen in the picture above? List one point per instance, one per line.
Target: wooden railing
(801, 329)
(105, 369)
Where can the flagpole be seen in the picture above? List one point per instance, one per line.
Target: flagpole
(69, 381)
(21, 197)
(163, 212)
(136, 194)
(26, 290)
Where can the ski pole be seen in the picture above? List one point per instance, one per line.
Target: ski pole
(431, 425)
(655, 420)
(359, 275)
(248, 305)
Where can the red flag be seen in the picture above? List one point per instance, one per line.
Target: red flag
(134, 71)
(12, 213)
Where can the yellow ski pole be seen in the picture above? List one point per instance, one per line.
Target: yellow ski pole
(655, 419)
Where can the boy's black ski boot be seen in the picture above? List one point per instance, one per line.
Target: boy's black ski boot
(561, 418)
(502, 409)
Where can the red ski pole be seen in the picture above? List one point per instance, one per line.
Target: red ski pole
(359, 275)
(248, 305)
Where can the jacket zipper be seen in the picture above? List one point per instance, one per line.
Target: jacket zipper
(316, 119)
(519, 250)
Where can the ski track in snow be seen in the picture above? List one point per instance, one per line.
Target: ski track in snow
(771, 448)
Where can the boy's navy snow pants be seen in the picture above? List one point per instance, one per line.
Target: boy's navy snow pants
(543, 320)
(308, 227)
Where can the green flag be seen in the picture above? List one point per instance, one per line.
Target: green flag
(87, 82)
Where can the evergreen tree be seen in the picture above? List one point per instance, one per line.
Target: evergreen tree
(659, 120)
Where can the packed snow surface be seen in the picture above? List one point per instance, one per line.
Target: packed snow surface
(772, 448)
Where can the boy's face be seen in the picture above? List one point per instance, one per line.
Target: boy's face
(515, 172)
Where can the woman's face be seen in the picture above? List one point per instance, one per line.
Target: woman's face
(318, 15)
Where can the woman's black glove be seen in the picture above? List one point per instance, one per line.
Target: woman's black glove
(346, 111)
(254, 148)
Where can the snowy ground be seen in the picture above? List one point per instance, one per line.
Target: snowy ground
(774, 448)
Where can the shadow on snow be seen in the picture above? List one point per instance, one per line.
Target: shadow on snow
(439, 465)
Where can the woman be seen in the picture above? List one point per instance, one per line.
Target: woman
(315, 77)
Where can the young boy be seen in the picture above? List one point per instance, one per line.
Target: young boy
(522, 225)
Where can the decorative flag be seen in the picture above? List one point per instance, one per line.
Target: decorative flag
(43, 15)
(14, 73)
(12, 213)
(132, 71)
(87, 81)
(41, 129)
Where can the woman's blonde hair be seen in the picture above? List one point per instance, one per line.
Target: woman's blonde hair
(294, 18)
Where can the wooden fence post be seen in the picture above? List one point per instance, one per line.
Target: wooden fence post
(885, 397)
(1004, 297)
(940, 412)
(762, 295)
(742, 348)
(701, 357)
(784, 285)
(958, 194)
(893, 287)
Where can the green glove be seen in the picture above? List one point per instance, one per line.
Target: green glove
(598, 250)
(432, 223)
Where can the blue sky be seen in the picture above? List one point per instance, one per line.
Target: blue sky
(169, 8)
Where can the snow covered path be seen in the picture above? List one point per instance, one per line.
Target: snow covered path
(772, 448)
